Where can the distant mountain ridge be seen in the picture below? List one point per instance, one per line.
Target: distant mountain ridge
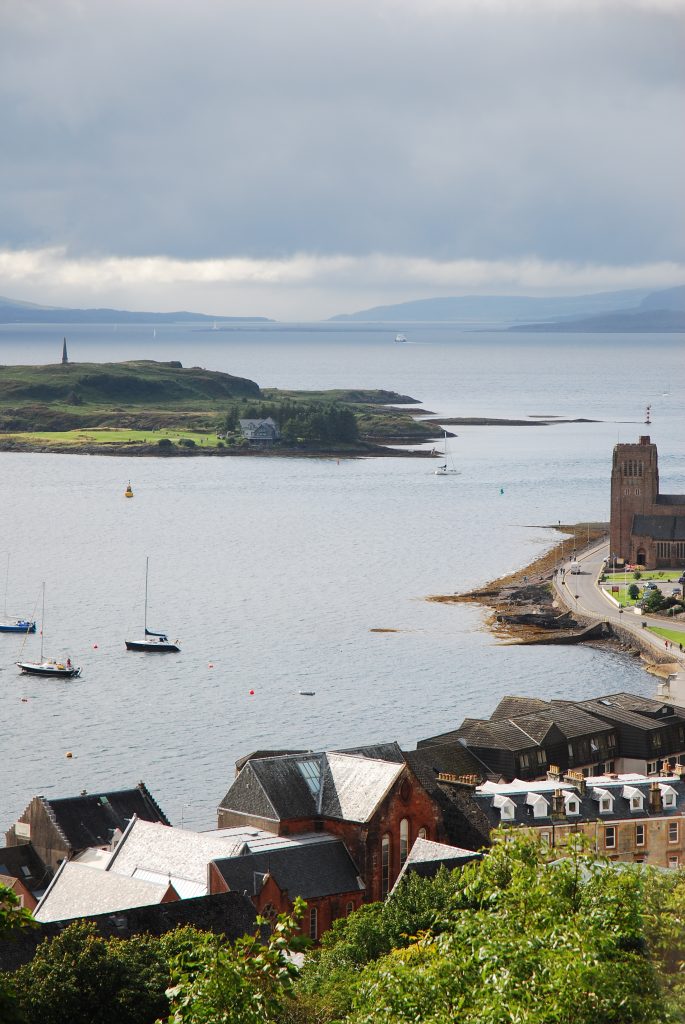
(630, 309)
(13, 311)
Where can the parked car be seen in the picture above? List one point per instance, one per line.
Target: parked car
(651, 586)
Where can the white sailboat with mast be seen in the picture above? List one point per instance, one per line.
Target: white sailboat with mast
(48, 667)
(157, 643)
(447, 468)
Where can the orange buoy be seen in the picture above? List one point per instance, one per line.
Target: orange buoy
(69, 754)
(128, 493)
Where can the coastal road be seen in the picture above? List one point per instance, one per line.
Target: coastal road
(582, 594)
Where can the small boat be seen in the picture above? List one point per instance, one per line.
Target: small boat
(307, 693)
(400, 338)
(49, 667)
(154, 643)
(128, 493)
(12, 623)
(447, 468)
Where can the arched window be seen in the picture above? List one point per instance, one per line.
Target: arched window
(422, 833)
(404, 840)
(385, 866)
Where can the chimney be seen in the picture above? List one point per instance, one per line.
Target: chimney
(656, 803)
(553, 773)
(679, 769)
(558, 808)
(577, 779)
(458, 780)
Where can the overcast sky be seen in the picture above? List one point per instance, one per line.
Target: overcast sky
(300, 158)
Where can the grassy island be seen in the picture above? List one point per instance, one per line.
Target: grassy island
(142, 407)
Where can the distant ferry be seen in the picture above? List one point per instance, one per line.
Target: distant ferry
(400, 338)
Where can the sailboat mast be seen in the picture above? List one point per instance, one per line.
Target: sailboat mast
(7, 583)
(42, 624)
(147, 563)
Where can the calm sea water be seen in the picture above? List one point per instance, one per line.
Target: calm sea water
(274, 571)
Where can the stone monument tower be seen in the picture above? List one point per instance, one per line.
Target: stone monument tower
(65, 357)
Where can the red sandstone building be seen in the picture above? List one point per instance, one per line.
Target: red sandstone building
(647, 528)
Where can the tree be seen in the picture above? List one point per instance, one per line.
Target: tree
(654, 601)
(244, 983)
(13, 919)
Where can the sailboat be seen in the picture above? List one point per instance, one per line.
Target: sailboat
(11, 623)
(157, 643)
(447, 468)
(48, 666)
(399, 338)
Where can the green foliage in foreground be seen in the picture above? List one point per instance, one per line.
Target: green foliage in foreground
(521, 940)
(13, 919)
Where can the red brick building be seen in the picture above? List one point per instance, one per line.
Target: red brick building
(369, 798)
(647, 528)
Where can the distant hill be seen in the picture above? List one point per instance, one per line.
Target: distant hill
(662, 312)
(499, 309)
(12, 311)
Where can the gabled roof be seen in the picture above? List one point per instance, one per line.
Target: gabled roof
(659, 527)
(159, 853)
(309, 870)
(78, 890)
(428, 762)
(511, 707)
(426, 858)
(23, 862)
(92, 818)
(346, 786)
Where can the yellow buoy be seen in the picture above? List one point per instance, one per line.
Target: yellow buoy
(128, 493)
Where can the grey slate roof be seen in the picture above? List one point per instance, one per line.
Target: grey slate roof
(23, 862)
(510, 707)
(341, 785)
(659, 527)
(78, 890)
(426, 858)
(91, 819)
(309, 870)
(589, 807)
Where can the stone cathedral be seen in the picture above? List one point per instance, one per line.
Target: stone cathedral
(647, 528)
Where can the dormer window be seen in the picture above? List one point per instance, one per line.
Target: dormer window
(572, 806)
(604, 799)
(605, 803)
(507, 807)
(635, 798)
(668, 795)
(539, 805)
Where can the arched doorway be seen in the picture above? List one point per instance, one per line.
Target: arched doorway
(641, 556)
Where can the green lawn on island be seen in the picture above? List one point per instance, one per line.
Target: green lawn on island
(115, 435)
(674, 635)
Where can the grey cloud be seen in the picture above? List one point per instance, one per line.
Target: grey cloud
(265, 128)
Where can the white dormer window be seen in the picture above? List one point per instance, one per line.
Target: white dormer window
(507, 807)
(635, 798)
(668, 795)
(604, 799)
(572, 805)
(539, 804)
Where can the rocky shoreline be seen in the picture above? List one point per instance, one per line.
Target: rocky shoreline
(143, 450)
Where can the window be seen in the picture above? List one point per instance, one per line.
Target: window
(269, 912)
(673, 831)
(610, 837)
(544, 836)
(524, 761)
(313, 923)
(349, 907)
(404, 840)
(639, 835)
(652, 767)
(541, 756)
(636, 803)
(385, 866)
(311, 773)
(605, 804)
(656, 741)
(669, 799)
(673, 863)
(611, 741)
(422, 833)
(573, 807)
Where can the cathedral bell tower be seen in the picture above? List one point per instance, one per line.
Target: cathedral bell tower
(634, 490)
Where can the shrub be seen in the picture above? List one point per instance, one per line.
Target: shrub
(165, 442)
(633, 591)
(186, 442)
(637, 575)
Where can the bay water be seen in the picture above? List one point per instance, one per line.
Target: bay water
(273, 572)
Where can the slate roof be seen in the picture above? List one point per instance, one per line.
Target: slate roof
(518, 792)
(91, 819)
(310, 870)
(638, 712)
(78, 890)
(226, 913)
(427, 762)
(345, 786)
(23, 862)
(390, 751)
(426, 858)
(659, 527)
(510, 707)
(156, 852)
